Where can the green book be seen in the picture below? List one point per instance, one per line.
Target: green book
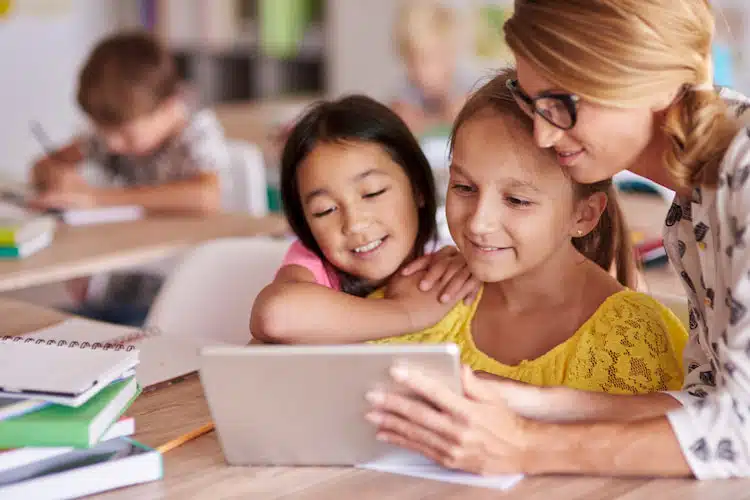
(25, 249)
(59, 425)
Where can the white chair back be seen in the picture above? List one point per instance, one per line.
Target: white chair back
(211, 292)
(243, 189)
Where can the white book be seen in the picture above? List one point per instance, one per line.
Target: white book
(102, 215)
(14, 202)
(162, 357)
(407, 463)
(18, 457)
(48, 370)
(109, 465)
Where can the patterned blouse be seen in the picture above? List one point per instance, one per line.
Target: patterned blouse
(708, 242)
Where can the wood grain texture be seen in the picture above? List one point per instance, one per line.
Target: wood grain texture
(85, 250)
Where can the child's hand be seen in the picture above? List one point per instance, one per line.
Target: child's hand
(424, 308)
(53, 171)
(78, 195)
(50, 174)
(68, 190)
(447, 269)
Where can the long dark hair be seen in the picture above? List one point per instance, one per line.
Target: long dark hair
(609, 242)
(356, 118)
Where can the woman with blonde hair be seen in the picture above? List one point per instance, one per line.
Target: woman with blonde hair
(614, 85)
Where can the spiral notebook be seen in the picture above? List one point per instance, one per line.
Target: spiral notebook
(57, 374)
(161, 357)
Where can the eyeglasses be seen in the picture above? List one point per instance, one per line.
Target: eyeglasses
(560, 110)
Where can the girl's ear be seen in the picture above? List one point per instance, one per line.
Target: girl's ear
(587, 214)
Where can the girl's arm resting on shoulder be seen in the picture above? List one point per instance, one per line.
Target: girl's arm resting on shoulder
(295, 309)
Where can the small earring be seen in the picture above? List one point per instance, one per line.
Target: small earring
(580, 233)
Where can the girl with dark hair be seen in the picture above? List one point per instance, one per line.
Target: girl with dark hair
(359, 195)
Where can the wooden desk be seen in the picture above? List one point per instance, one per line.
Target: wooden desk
(85, 250)
(197, 469)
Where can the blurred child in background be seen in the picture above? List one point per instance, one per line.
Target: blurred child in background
(428, 39)
(154, 145)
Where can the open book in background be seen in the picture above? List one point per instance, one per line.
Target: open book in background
(17, 196)
(162, 357)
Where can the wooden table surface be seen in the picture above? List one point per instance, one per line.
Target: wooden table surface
(85, 250)
(197, 469)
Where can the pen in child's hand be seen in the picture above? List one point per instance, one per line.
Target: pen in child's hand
(41, 136)
(189, 436)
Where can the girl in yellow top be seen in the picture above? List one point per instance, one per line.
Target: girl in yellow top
(549, 313)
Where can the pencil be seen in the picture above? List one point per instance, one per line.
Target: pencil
(41, 136)
(189, 436)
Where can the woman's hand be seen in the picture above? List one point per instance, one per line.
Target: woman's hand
(474, 431)
(447, 270)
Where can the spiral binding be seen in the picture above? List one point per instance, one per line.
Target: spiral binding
(117, 344)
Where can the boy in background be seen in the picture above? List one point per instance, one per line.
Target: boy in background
(153, 144)
(428, 41)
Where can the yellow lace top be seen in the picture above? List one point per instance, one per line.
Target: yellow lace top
(631, 345)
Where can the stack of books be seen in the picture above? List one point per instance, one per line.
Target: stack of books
(649, 252)
(62, 430)
(22, 235)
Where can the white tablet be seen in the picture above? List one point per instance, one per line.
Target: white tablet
(305, 405)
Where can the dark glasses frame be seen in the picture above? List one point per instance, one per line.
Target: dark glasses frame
(570, 101)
